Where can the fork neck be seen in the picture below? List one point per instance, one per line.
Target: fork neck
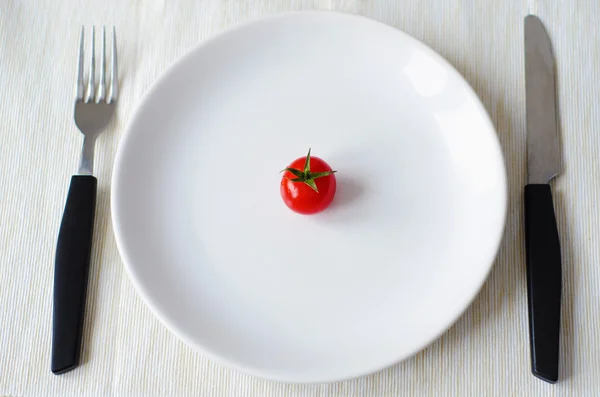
(86, 165)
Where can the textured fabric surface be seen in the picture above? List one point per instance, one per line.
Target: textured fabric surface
(128, 352)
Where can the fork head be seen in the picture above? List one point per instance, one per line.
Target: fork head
(95, 106)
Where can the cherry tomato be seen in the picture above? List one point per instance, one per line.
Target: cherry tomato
(308, 185)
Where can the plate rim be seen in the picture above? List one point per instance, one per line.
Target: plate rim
(149, 301)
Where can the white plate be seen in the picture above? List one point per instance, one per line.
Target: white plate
(405, 247)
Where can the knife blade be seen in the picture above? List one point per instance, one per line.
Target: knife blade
(541, 231)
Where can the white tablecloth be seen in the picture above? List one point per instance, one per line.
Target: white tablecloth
(127, 352)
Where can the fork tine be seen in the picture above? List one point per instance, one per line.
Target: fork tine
(91, 84)
(80, 85)
(114, 78)
(102, 83)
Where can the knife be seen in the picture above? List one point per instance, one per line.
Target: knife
(541, 233)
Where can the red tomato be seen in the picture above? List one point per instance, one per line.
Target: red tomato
(308, 190)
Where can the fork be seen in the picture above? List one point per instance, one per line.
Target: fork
(94, 108)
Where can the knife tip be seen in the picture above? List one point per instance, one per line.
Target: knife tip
(533, 19)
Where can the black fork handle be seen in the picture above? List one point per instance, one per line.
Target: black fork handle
(71, 271)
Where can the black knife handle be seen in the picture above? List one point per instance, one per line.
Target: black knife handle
(71, 271)
(543, 281)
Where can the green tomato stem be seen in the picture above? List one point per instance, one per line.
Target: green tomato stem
(306, 176)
